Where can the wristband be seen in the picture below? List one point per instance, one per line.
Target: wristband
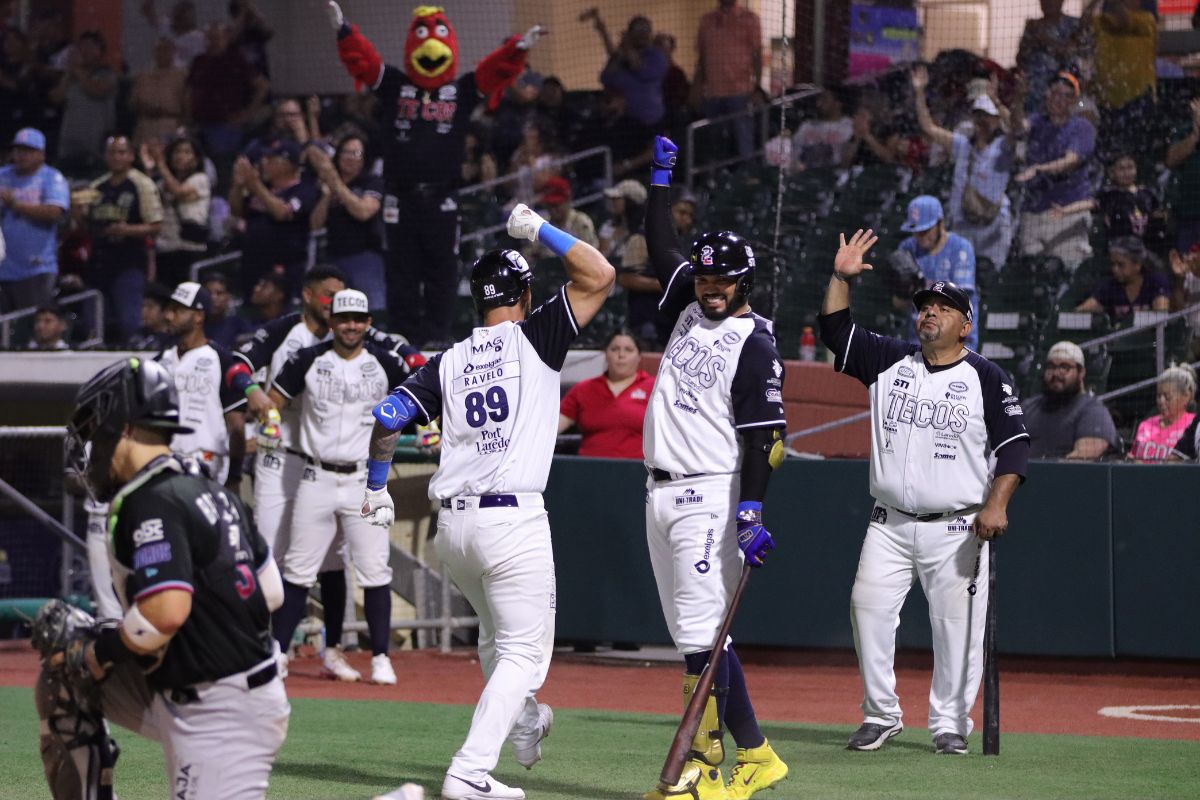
(839, 276)
(660, 177)
(377, 473)
(249, 390)
(749, 511)
(558, 241)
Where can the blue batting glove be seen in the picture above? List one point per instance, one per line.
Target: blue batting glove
(754, 540)
(665, 153)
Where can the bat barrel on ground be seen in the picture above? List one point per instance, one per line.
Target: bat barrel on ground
(991, 669)
(695, 707)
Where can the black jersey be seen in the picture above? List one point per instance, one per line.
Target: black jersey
(174, 529)
(424, 133)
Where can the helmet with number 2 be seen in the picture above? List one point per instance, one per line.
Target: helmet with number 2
(727, 255)
(499, 278)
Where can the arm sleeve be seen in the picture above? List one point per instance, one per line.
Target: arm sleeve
(149, 202)
(290, 380)
(231, 399)
(161, 557)
(1083, 139)
(858, 352)
(256, 352)
(670, 265)
(56, 192)
(757, 390)
(425, 388)
(756, 463)
(551, 328)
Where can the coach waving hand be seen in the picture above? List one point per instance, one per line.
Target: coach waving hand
(948, 449)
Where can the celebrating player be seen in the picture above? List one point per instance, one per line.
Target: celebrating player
(341, 381)
(497, 393)
(712, 437)
(192, 663)
(948, 449)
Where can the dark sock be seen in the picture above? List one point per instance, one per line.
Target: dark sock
(377, 606)
(333, 598)
(695, 664)
(288, 616)
(739, 718)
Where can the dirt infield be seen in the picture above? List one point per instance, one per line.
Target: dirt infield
(1152, 700)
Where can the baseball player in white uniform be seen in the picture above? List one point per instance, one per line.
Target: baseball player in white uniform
(336, 384)
(713, 434)
(948, 449)
(497, 392)
(207, 404)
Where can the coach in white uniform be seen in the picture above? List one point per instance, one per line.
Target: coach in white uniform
(337, 383)
(207, 404)
(497, 392)
(712, 437)
(948, 449)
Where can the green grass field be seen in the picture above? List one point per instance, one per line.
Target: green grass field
(340, 750)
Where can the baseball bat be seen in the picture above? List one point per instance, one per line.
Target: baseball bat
(677, 755)
(991, 669)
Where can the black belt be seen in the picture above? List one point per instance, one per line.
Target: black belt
(331, 466)
(188, 694)
(936, 515)
(663, 475)
(489, 501)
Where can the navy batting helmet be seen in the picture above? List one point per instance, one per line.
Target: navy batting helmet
(499, 278)
(726, 254)
(130, 392)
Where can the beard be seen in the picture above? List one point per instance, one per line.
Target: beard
(731, 305)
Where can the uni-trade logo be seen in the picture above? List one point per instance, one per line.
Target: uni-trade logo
(688, 498)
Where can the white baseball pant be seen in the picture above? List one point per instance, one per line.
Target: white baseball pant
(502, 562)
(107, 604)
(277, 477)
(690, 530)
(328, 503)
(952, 565)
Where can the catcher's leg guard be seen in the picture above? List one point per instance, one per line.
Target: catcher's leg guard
(757, 768)
(78, 754)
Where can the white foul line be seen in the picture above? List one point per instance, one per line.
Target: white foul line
(1139, 712)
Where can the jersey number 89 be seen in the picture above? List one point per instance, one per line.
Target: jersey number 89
(480, 407)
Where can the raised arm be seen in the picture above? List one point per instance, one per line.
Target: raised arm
(847, 264)
(941, 136)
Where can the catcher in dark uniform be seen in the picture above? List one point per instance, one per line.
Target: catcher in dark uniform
(192, 664)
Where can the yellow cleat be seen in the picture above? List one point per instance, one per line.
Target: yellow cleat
(698, 781)
(757, 768)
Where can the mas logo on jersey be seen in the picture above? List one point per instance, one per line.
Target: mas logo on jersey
(703, 565)
(157, 553)
(495, 344)
(149, 531)
(688, 498)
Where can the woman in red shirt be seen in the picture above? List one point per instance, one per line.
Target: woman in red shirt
(610, 408)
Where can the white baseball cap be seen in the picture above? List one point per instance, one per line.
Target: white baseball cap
(349, 301)
(190, 294)
(1066, 351)
(984, 103)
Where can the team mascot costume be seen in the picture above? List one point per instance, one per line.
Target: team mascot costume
(425, 109)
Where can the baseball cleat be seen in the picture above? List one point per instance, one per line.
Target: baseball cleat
(871, 736)
(480, 788)
(409, 791)
(757, 768)
(335, 666)
(950, 744)
(698, 781)
(382, 672)
(527, 749)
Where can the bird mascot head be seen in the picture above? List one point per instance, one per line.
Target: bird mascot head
(431, 49)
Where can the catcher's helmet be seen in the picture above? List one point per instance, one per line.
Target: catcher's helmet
(726, 254)
(129, 392)
(499, 278)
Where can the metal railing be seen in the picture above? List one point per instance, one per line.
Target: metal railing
(216, 261)
(1159, 322)
(96, 337)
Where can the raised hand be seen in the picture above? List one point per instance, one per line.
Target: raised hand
(849, 259)
(529, 39)
(665, 152)
(920, 77)
(524, 223)
(336, 18)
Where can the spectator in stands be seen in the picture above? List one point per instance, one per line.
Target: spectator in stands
(275, 208)
(627, 209)
(610, 409)
(123, 220)
(33, 198)
(49, 325)
(556, 197)
(552, 104)
(872, 143)
(250, 33)
(979, 207)
(1134, 285)
(1049, 45)
(1157, 436)
(636, 69)
(729, 67)
(1065, 420)
(154, 334)
(186, 192)
(22, 91)
(1060, 144)
(632, 143)
(349, 210)
(1185, 283)
(269, 300)
(676, 89)
(533, 162)
(87, 93)
(158, 97)
(1184, 195)
(224, 91)
(1124, 80)
(178, 28)
(288, 121)
(820, 143)
(1130, 209)
(220, 325)
(683, 213)
(940, 255)
(479, 165)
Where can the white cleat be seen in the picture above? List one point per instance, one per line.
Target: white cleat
(335, 666)
(481, 788)
(527, 748)
(409, 791)
(381, 670)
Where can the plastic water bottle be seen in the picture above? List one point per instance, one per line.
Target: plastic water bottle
(808, 344)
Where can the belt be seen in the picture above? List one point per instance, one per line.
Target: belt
(331, 466)
(187, 694)
(663, 475)
(487, 501)
(936, 515)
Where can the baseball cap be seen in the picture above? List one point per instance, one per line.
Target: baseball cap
(349, 301)
(556, 189)
(284, 148)
(1066, 351)
(629, 189)
(190, 294)
(984, 103)
(31, 138)
(923, 213)
(947, 291)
